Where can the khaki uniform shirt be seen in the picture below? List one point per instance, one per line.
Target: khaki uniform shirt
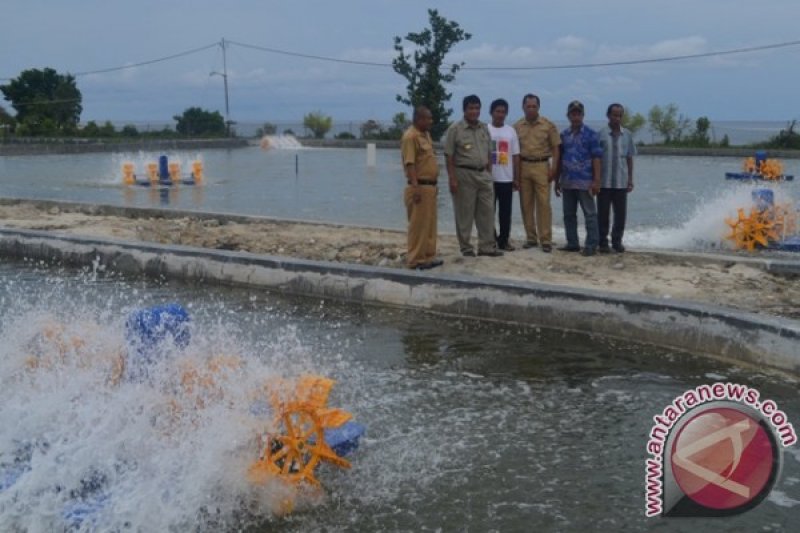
(469, 145)
(536, 139)
(416, 148)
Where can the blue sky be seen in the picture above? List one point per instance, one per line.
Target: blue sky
(86, 35)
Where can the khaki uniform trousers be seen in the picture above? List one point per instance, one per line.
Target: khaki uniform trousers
(534, 200)
(421, 224)
(474, 202)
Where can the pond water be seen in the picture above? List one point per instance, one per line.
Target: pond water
(679, 202)
(471, 426)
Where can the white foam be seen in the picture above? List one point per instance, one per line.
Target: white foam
(706, 227)
(280, 142)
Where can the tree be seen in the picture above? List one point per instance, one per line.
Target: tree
(45, 100)
(318, 123)
(426, 80)
(107, 129)
(786, 138)
(344, 135)
(199, 122)
(399, 125)
(371, 129)
(700, 134)
(267, 129)
(91, 129)
(7, 122)
(633, 122)
(129, 130)
(667, 123)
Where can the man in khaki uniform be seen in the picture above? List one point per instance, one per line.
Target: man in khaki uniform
(539, 144)
(467, 147)
(421, 169)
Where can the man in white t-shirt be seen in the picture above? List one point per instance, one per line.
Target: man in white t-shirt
(505, 169)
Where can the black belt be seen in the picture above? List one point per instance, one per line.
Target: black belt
(425, 182)
(477, 169)
(535, 159)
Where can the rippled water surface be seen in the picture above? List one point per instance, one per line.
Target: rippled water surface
(679, 202)
(470, 426)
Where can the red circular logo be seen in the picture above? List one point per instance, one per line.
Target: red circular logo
(723, 459)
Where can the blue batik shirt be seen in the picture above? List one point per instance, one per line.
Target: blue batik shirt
(577, 151)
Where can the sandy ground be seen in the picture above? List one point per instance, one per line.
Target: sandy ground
(730, 284)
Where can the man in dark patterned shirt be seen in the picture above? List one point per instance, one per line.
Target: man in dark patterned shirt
(580, 169)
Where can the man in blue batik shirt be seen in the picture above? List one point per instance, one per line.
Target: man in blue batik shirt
(580, 169)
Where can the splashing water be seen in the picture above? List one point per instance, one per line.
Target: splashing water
(706, 228)
(477, 425)
(84, 447)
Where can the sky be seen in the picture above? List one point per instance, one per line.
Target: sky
(80, 36)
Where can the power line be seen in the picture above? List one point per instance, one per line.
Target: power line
(141, 63)
(478, 68)
(310, 56)
(148, 62)
(535, 67)
(644, 61)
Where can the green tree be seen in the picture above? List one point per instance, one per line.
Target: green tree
(45, 101)
(107, 129)
(344, 135)
(700, 134)
(267, 129)
(371, 129)
(199, 122)
(424, 70)
(786, 138)
(129, 130)
(399, 125)
(667, 123)
(633, 122)
(91, 129)
(7, 122)
(318, 123)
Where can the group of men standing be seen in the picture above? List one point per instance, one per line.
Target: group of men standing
(487, 163)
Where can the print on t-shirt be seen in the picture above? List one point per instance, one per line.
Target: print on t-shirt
(500, 149)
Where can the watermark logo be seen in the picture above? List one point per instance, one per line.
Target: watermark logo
(715, 451)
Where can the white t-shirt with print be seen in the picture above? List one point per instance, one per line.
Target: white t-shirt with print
(505, 144)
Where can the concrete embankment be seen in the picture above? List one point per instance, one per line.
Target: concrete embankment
(733, 335)
(84, 146)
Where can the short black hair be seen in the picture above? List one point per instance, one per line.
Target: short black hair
(471, 99)
(498, 103)
(418, 111)
(530, 95)
(612, 106)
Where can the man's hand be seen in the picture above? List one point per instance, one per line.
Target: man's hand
(594, 190)
(630, 186)
(417, 196)
(453, 185)
(515, 185)
(557, 190)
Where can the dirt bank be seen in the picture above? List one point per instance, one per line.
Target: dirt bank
(718, 282)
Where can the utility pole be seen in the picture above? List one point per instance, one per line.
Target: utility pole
(224, 75)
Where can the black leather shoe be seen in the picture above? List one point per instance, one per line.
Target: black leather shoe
(468, 253)
(588, 252)
(435, 263)
(569, 249)
(618, 248)
(507, 247)
(530, 244)
(493, 253)
(604, 249)
(547, 248)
